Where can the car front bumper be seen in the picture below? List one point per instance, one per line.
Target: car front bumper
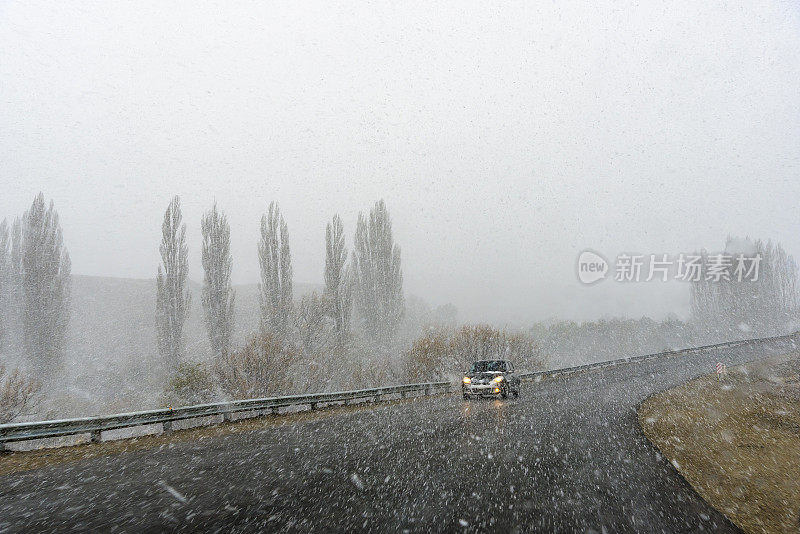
(487, 390)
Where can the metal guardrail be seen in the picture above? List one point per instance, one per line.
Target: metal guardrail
(94, 426)
(538, 375)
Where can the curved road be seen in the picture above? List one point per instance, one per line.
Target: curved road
(567, 456)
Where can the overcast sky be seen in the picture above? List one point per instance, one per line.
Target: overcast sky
(504, 140)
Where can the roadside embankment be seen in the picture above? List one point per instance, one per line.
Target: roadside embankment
(736, 440)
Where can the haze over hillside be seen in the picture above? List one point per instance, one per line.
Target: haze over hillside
(112, 342)
(112, 338)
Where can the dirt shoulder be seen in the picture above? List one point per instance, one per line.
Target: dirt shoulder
(736, 440)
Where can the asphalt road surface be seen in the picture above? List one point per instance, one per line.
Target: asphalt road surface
(567, 456)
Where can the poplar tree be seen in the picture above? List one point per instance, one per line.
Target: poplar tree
(275, 260)
(44, 272)
(5, 281)
(218, 295)
(338, 288)
(172, 297)
(378, 276)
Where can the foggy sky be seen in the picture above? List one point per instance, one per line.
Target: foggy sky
(504, 140)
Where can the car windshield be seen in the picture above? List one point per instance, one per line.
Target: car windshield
(488, 366)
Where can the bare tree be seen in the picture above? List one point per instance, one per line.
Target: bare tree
(378, 277)
(45, 267)
(218, 295)
(338, 286)
(172, 298)
(275, 260)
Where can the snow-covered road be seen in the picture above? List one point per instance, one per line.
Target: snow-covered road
(567, 456)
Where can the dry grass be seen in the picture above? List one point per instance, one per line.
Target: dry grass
(16, 462)
(736, 441)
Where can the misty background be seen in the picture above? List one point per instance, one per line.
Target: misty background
(503, 139)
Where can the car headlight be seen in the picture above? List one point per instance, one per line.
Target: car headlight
(498, 379)
(467, 380)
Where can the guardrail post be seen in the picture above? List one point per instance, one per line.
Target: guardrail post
(312, 405)
(402, 394)
(96, 436)
(427, 390)
(3, 447)
(226, 417)
(166, 426)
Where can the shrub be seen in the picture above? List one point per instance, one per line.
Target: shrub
(442, 354)
(17, 394)
(191, 383)
(261, 368)
(428, 355)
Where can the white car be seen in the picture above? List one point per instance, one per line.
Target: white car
(490, 378)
